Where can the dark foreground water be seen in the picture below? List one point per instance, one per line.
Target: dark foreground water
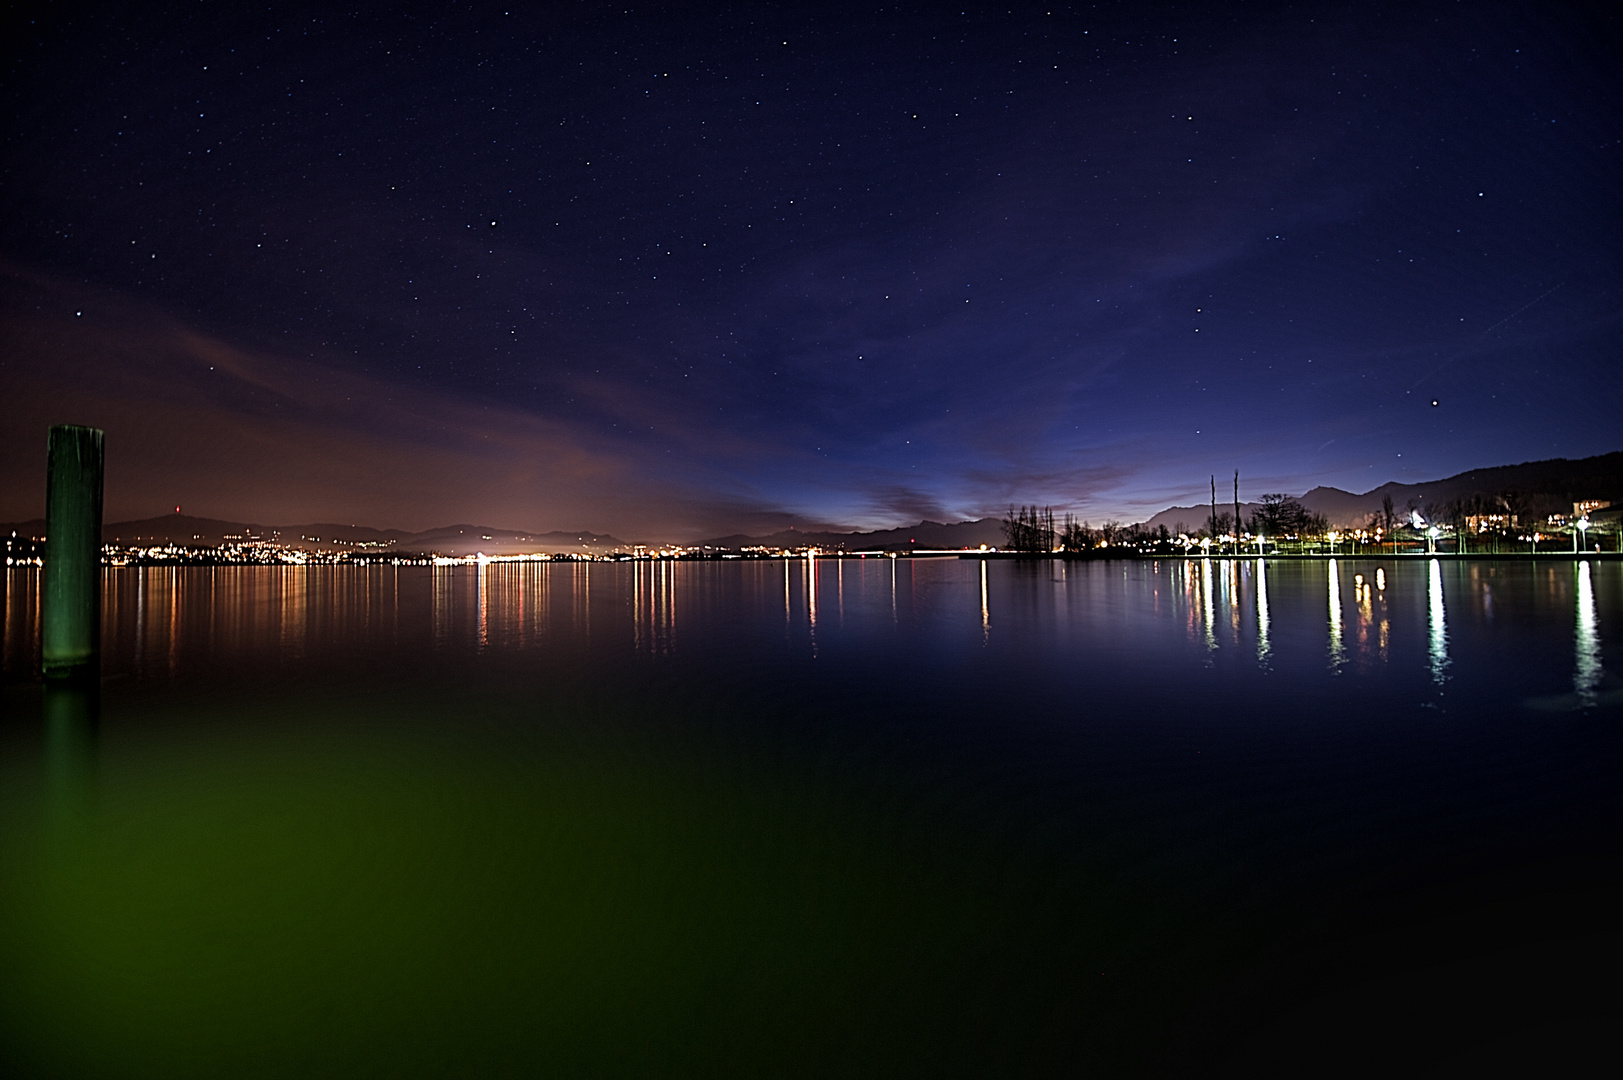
(861, 818)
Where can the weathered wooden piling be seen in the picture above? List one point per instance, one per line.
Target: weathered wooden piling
(70, 631)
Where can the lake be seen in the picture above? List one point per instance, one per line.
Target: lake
(817, 817)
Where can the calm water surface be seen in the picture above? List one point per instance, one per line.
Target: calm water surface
(812, 818)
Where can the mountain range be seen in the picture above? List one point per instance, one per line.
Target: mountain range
(185, 531)
(1540, 487)
(925, 536)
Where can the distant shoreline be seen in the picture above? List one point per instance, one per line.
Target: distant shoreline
(1403, 556)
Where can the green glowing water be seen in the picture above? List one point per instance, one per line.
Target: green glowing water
(726, 823)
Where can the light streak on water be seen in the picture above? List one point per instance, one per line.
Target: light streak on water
(483, 595)
(441, 602)
(986, 611)
(1264, 646)
(1233, 586)
(1338, 653)
(1587, 675)
(1437, 642)
(1207, 607)
(810, 576)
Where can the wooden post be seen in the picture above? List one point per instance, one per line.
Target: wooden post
(70, 636)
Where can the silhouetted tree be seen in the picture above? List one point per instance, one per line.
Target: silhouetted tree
(1280, 515)
(1029, 528)
(1076, 535)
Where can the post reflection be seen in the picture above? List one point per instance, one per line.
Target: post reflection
(1587, 670)
(1437, 639)
(1338, 653)
(1264, 645)
(71, 713)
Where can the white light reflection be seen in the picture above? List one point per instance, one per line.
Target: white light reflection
(638, 637)
(986, 611)
(582, 597)
(1438, 641)
(839, 590)
(811, 598)
(1588, 671)
(482, 595)
(1338, 654)
(1233, 585)
(1206, 605)
(441, 603)
(1264, 646)
(654, 606)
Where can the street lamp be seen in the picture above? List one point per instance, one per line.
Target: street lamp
(1431, 540)
(1583, 527)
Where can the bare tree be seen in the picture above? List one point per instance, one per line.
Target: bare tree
(1029, 528)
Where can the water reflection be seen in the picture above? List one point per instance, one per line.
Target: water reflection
(839, 590)
(1264, 647)
(481, 600)
(893, 619)
(1207, 605)
(583, 597)
(1338, 653)
(22, 614)
(652, 840)
(1232, 582)
(809, 581)
(1437, 639)
(653, 607)
(441, 604)
(1587, 675)
(71, 712)
(1385, 626)
(986, 610)
(171, 623)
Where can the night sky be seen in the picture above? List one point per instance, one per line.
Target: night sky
(675, 272)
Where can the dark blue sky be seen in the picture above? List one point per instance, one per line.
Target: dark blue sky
(675, 272)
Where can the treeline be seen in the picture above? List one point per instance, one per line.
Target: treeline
(1281, 515)
(1030, 529)
(1033, 529)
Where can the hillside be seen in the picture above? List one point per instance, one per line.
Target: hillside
(924, 536)
(1544, 487)
(186, 531)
